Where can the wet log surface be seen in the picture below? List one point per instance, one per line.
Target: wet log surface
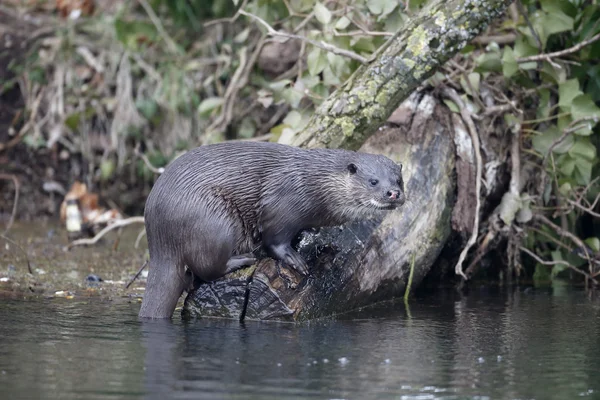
(363, 262)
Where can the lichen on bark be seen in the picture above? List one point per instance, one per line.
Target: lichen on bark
(375, 90)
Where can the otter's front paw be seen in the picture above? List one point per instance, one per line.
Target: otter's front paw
(289, 256)
(297, 262)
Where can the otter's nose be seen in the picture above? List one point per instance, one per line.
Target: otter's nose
(393, 194)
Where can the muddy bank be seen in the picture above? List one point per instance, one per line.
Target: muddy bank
(58, 272)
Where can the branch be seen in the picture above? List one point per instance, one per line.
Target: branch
(549, 56)
(14, 210)
(466, 116)
(114, 225)
(325, 46)
(147, 162)
(574, 126)
(559, 262)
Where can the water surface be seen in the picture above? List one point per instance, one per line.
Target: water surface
(537, 344)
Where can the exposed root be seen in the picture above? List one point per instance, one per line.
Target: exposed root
(466, 116)
(114, 225)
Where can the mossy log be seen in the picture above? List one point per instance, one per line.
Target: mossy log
(363, 262)
(368, 261)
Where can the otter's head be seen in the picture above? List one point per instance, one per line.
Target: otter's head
(377, 183)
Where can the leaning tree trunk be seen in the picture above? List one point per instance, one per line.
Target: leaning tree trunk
(368, 261)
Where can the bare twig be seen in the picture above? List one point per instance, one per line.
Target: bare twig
(320, 44)
(564, 233)
(137, 274)
(465, 114)
(582, 208)
(149, 165)
(114, 225)
(559, 262)
(570, 50)
(500, 39)
(574, 126)
(16, 200)
(20, 248)
(139, 238)
(159, 27)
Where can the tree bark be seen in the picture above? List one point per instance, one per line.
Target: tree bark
(368, 261)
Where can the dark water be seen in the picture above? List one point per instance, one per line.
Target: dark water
(510, 345)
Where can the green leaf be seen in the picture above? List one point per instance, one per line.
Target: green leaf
(543, 110)
(488, 62)
(583, 106)
(567, 166)
(381, 7)
(541, 143)
(316, 61)
(583, 171)
(209, 104)
(509, 63)
(107, 169)
(147, 107)
(342, 23)
(452, 106)
(474, 79)
(242, 36)
(594, 243)
(293, 119)
(555, 21)
(322, 13)
(583, 148)
(567, 91)
(292, 96)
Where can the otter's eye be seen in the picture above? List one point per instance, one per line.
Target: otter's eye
(373, 182)
(399, 182)
(352, 168)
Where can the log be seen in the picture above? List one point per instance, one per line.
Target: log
(364, 262)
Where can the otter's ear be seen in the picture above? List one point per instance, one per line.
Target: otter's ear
(352, 168)
(400, 165)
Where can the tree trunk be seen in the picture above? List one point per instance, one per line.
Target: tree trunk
(369, 261)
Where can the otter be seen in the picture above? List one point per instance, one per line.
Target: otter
(216, 204)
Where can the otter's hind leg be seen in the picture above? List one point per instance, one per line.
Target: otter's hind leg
(166, 282)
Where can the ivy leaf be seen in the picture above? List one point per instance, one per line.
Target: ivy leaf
(583, 171)
(583, 148)
(488, 62)
(322, 13)
(342, 23)
(509, 62)
(381, 7)
(316, 61)
(452, 106)
(541, 143)
(474, 79)
(594, 243)
(583, 106)
(567, 91)
(209, 104)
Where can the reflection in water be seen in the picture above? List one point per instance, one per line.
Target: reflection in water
(540, 345)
